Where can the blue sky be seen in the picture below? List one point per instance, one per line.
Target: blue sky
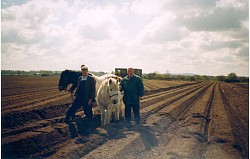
(192, 36)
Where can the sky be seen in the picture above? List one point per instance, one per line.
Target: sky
(206, 37)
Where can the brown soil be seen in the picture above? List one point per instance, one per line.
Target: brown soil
(179, 120)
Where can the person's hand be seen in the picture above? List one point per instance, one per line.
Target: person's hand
(140, 97)
(90, 102)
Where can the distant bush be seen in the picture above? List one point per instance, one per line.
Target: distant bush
(244, 79)
(31, 73)
(220, 78)
(232, 77)
(232, 80)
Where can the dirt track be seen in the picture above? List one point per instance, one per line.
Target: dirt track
(194, 120)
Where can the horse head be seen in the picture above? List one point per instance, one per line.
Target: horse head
(113, 90)
(64, 80)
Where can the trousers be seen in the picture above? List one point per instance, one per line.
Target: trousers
(76, 105)
(136, 110)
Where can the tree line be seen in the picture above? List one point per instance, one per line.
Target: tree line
(39, 73)
(231, 77)
(31, 73)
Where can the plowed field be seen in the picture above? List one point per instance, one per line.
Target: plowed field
(179, 120)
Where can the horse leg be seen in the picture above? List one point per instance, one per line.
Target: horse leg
(102, 117)
(123, 109)
(117, 111)
(109, 116)
(106, 117)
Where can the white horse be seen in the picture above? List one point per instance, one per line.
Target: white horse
(108, 98)
(100, 79)
(119, 107)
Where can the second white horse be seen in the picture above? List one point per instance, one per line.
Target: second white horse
(108, 98)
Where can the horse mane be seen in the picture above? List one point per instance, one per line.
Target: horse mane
(104, 77)
(73, 72)
(71, 75)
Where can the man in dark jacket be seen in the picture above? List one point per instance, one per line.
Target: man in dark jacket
(133, 91)
(84, 96)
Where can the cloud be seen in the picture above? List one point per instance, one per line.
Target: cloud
(25, 23)
(161, 29)
(218, 20)
(34, 28)
(238, 4)
(148, 7)
(196, 36)
(243, 54)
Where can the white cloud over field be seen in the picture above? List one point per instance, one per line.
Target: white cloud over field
(194, 36)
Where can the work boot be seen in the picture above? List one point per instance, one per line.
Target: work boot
(128, 124)
(66, 121)
(138, 123)
(67, 118)
(73, 116)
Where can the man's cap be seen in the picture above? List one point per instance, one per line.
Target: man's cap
(84, 68)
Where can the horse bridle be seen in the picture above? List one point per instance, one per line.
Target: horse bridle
(116, 94)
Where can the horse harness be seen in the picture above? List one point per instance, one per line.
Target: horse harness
(116, 94)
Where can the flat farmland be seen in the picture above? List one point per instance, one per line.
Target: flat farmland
(179, 120)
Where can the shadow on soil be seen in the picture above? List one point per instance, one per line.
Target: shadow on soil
(148, 138)
(84, 126)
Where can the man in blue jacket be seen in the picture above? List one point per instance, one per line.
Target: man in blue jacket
(84, 96)
(133, 88)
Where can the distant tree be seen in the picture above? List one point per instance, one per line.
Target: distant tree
(197, 78)
(220, 78)
(232, 77)
(204, 78)
(167, 75)
(159, 76)
(178, 77)
(191, 78)
(152, 75)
